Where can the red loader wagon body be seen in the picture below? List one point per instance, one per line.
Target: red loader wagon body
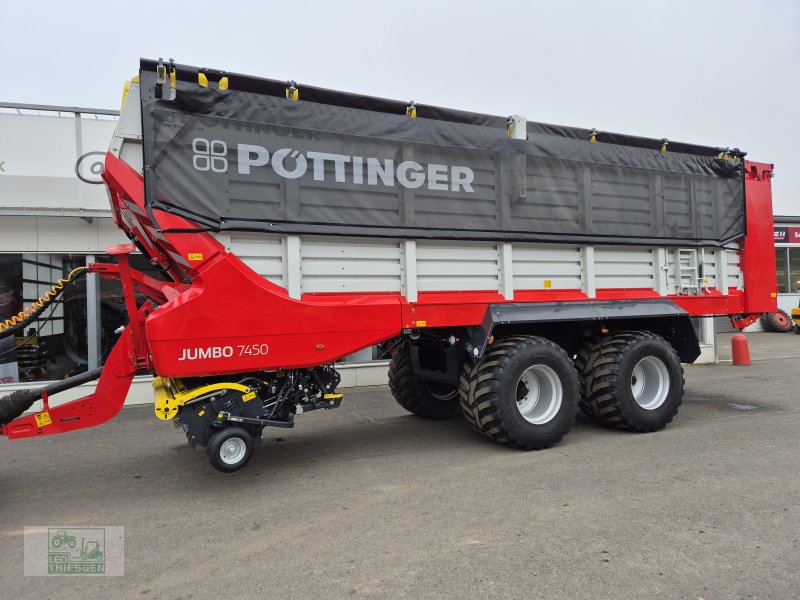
(517, 272)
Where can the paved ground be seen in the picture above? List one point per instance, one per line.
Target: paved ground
(369, 502)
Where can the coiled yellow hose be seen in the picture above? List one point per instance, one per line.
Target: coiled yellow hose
(42, 302)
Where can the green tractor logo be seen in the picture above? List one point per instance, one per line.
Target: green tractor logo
(62, 539)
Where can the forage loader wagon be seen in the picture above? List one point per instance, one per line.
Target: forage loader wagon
(518, 271)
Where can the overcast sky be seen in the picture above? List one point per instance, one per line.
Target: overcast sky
(719, 73)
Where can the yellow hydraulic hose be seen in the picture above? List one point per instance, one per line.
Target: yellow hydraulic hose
(36, 307)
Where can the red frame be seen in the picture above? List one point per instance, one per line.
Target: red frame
(215, 305)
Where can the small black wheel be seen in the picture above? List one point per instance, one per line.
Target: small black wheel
(523, 393)
(428, 399)
(229, 449)
(632, 380)
(777, 322)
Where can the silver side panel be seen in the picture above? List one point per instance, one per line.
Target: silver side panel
(127, 140)
(312, 264)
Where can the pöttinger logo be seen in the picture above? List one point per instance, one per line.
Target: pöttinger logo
(210, 155)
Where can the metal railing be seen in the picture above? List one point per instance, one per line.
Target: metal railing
(78, 110)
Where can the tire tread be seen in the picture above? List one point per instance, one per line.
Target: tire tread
(599, 365)
(409, 393)
(480, 401)
(770, 323)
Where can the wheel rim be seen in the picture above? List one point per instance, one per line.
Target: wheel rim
(441, 391)
(782, 320)
(232, 450)
(539, 394)
(650, 383)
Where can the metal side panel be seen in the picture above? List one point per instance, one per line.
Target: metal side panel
(443, 266)
(261, 253)
(687, 269)
(127, 140)
(345, 264)
(735, 279)
(623, 267)
(350, 265)
(536, 263)
(710, 269)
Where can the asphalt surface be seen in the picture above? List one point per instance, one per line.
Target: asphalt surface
(367, 501)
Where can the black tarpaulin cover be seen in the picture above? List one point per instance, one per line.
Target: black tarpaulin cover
(333, 163)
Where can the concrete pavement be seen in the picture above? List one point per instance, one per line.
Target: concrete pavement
(369, 502)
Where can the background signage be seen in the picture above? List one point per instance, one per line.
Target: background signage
(787, 235)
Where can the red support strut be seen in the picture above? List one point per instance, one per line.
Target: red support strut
(96, 408)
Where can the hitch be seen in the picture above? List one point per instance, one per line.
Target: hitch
(16, 403)
(743, 320)
(128, 356)
(114, 380)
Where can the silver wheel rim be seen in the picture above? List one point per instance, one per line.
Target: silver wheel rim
(232, 450)
(650, 383)
(441, 392)
(539, 394)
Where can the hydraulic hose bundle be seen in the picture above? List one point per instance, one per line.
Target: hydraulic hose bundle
(14, 404)
(16, 324)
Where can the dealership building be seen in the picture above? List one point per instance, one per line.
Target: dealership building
(55, 216)
(787, 258)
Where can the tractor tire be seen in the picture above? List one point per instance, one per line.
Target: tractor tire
(427, 399)
(16, 403)
(463, 392)
(229, 449)
(523, 393)
(632, 380)
(581, 360)
(777, 322)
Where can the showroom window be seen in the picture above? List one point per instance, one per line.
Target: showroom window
(74, 334)
(781, 262)
(787, 263)
(51, 347)
(793, 285)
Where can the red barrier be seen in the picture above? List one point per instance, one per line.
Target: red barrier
(740, 350)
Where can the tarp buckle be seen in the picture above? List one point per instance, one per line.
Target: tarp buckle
(729, 160)
(411, 110)
(664, 144)
(593, 136)
(163, 73)
(292, 93)
(220, 84)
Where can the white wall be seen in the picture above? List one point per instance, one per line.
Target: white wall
(40, 154)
